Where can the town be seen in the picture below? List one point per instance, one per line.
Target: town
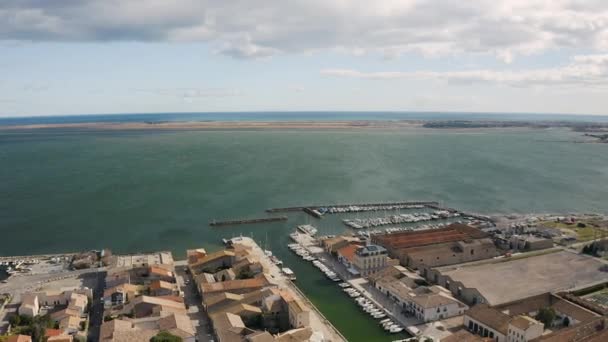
(469, 278)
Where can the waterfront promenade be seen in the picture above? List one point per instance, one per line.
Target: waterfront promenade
(318, 322)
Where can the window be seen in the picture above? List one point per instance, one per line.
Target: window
(472, 252)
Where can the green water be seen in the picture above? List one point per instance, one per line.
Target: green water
(144, 191)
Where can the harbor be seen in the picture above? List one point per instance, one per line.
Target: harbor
(306, 247)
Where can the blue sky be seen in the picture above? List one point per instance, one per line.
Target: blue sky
(81, 57)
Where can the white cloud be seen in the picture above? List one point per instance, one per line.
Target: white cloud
(251, 29)
(583, 70)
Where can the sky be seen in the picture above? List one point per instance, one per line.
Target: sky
(64, 57)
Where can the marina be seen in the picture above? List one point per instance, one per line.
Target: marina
(306, 249)
(398, 219)
(318, 211)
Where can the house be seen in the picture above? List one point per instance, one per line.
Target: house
(485, 321)
(425, 303)
(210, 263)
(346, 255)
(163, 288)
(370, 259)
(237, 286)
(143, 329)
(489, 322)
(224, 275)
(145, 306)
(299, 315)
(332, 245)
(160, 273)
(120, 294)
(193, 255)
(29, 305)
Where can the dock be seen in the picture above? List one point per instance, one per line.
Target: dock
(215, 223)
(313, 210)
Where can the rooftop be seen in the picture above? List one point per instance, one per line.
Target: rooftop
(453, 232)
(348, 251)
(511, 280)
(490, 317)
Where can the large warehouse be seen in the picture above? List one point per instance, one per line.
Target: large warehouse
(454, 244)
(503, 281)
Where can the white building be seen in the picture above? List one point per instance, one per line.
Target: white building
(425, 303)
(488, 322)
(370, 259)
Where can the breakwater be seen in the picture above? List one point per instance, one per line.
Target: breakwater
(215, 223)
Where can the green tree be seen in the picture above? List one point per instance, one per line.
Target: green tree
(546, 316)
(566, 322)
(165, 336)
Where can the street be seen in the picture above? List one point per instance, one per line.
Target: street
(96, 312)
(196, 312)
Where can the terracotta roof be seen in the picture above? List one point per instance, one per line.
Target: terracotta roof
(159, 284)
(433, 300)
(232, 285)
(52, 332)
(260, 336)
(19, 338)
(210, 257)
(453, 232)
(177, 322)
(160, 271)
(490, 317)
(348, 252)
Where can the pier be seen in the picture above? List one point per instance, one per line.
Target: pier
(313, 210)
(215, 223)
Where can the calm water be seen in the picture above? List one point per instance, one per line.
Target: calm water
(67, 191)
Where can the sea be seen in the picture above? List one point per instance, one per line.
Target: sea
(134, 191)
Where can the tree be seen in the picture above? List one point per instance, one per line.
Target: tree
(165, 336)
(566, 321)
(547, 316)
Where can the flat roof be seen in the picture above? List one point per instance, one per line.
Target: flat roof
(507, 281)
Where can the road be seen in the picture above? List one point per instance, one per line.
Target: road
(96, 312)
(196, 312)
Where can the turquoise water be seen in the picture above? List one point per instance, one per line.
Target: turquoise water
(144, 191)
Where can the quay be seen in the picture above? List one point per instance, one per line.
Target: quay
(215, 223)
(318, 321)
(33, 257)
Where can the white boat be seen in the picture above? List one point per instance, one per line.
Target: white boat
(289, 273)
(385, 320)
(308, 229)
(395, 329)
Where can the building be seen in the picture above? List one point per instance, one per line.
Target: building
(237, 286)
(500, 281)
(489, 322)
(120, 294)
(346, 255)
(163, 288)
(29, 305)
(370, 259)
(159, 272)
(594, 330)
(454, 244)
(213, 262)
(331, 245)
(529, 243)
(425, 303)
(143, 329)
